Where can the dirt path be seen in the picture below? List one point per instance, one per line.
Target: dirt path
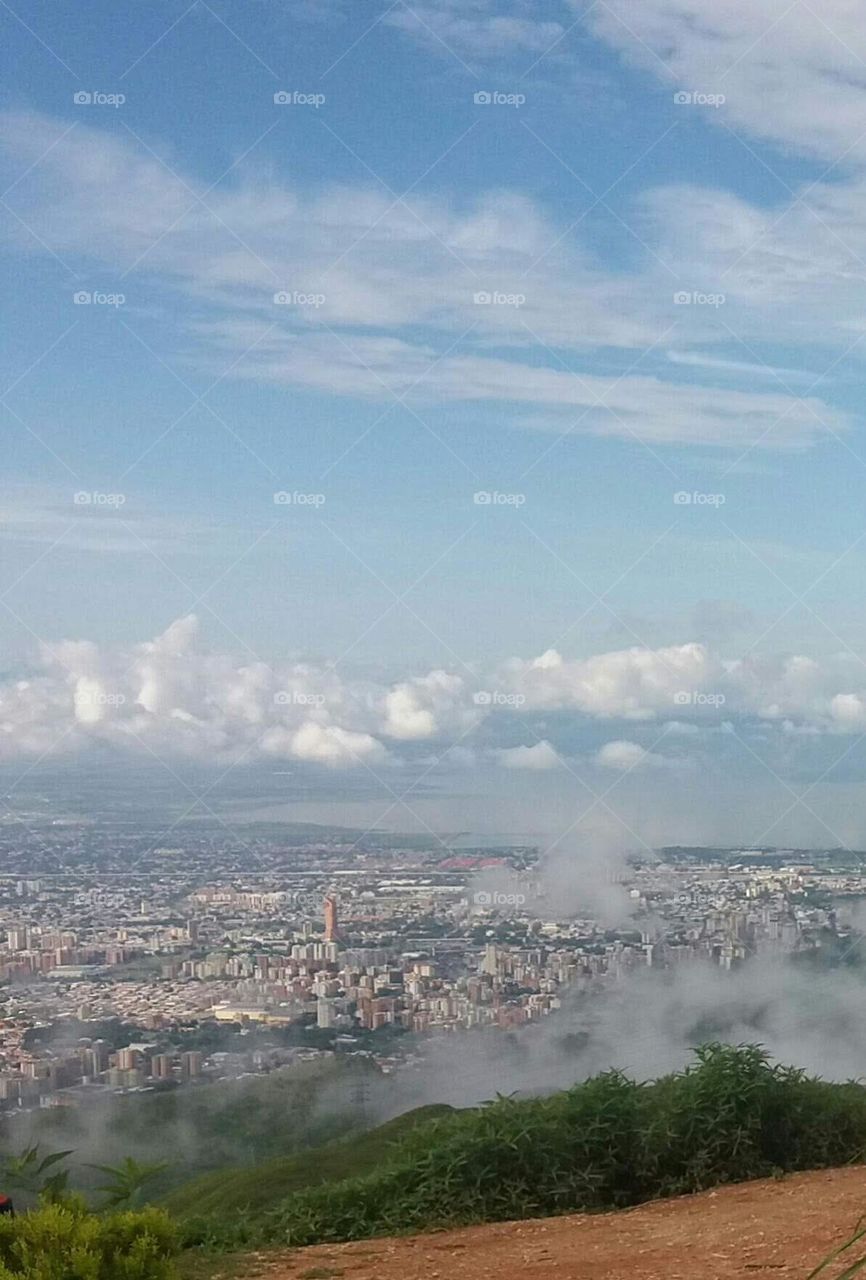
(757, 1229)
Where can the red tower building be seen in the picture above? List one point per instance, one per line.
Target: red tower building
(331, 923)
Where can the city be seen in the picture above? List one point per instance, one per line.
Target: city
(153, 979)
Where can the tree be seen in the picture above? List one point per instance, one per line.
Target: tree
(126, 1181)
(28, 1173)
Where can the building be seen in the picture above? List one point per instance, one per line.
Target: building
(161, 1066)
(332, 929)
(190, 1064)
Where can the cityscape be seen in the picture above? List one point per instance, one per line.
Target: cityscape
(145, 980)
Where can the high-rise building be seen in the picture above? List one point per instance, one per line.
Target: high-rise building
(161, 1065)
(190, 1064)
(324, 1012)
(18, 938)
(331, 920)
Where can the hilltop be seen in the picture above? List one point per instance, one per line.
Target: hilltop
(730, 1167)
(263, 1186)
(608, 1143)
(773, 1227)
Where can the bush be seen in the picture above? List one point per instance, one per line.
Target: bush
(66, 1242)
(607, 1143)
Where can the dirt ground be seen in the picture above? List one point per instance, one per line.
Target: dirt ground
(769, 1228)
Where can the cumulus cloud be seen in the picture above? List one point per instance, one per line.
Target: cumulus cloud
(540, 756)
(170, 695)
(625, 756)
(630, 684)
(174, 695)
(423, 706)
(643, 684)
(323, 744)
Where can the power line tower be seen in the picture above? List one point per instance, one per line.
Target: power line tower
(361, 1098)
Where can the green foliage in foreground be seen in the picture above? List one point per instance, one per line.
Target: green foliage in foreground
(28, 1172)
(604, 1144)
(66, 1242)
(851, 1269)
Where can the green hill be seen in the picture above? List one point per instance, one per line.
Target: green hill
(606, 1143)
(261, 1187)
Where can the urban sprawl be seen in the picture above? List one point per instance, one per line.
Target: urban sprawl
(328, 944)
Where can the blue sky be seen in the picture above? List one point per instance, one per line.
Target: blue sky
(577, 257)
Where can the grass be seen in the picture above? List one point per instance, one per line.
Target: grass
(261, 1187)
(851, 1269)
(605, 1144)
(204, 1130)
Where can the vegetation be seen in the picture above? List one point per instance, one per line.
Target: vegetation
(251, 1120)
(265, 1186)
(56, 1236)
(855, 1268)
(126, 1182)
(606, 1143)
(29, 1173)
(67, 1242)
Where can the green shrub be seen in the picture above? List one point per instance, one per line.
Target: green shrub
(66, 1242)
(606, 1143)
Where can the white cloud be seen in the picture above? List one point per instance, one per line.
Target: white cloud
(323, 744)
(539, 756)
(692, 680)
(398, 283)
(630, 684)
(173, 696)
(790, 75)
(626, 756)
(700, 360)
(633, 407)
(475, 29)
(426, 705)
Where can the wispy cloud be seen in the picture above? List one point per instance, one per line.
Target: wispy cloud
(439, 300)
